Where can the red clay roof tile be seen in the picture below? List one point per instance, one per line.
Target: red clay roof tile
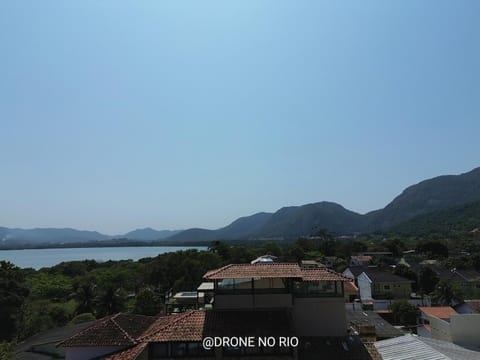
(117, 330)
(273, 270)
(441, 312)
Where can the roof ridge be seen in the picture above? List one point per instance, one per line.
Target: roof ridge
(97, 324)
(168, 325)
(215, 271)
(417, 338)
(121, 329)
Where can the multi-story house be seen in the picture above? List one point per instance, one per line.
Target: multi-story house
(374, 283)
(313, 297)
(249, 300)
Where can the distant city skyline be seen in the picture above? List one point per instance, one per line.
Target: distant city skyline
(117, 116)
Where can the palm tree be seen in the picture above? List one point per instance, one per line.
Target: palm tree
(445, 294)
(85, 295)
(111, 301)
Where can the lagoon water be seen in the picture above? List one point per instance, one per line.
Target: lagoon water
(38, 258)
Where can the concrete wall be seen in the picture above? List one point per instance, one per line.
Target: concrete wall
(252, 301)
(319, 317)
(440, 329)
(364, 286)
(89, 352)
(465, 329)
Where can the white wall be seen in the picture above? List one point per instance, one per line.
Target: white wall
(440, 329)
(365, 286)
(465, 329)
(89, 352)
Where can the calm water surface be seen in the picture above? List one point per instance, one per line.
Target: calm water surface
(38, 258)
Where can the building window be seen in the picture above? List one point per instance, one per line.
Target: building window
(160, 350)
(386, 287)
(179, 349)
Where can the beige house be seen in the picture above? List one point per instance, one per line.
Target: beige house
(374, 283)
(444, 323)
(261, 300)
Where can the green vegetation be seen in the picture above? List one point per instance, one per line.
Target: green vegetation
(73, 292)
(404, 313)
(452, 222)
(446, 294)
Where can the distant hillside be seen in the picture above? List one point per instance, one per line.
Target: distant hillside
(242, 228)
(149, 234)
(49, 235)
(430, 195)
(288, 222)
(294, 221)
(67, 235)
(459, 219)
(427, 197)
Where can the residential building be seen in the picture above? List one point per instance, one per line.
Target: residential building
(109, 335)
(444, 323)
(429, 312)
(410, 346)
(360, 260)
(314, 297)
(375, 283)
(260, 300)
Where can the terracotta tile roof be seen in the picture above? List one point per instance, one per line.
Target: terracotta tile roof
(322, 274)
(129, 354)
(273, 270)
(259, 270)
(197, 324)
(441, 312)
(187, 326)
(350, 287)
(116, 330)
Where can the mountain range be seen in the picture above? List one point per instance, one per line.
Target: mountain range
(417, 205)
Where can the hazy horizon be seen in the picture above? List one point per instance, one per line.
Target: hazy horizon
(119, 116)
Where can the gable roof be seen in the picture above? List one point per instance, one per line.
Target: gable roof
(116, 330)
(274, 270)
(258, 270)
(441, 312)
(186, 326)
(412, 347)
(357, 270)
(322, 274)
(377, 275)
(196, 324)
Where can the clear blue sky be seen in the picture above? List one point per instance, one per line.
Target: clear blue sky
(117, 115)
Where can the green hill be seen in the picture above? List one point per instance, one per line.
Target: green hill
(447, 222)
